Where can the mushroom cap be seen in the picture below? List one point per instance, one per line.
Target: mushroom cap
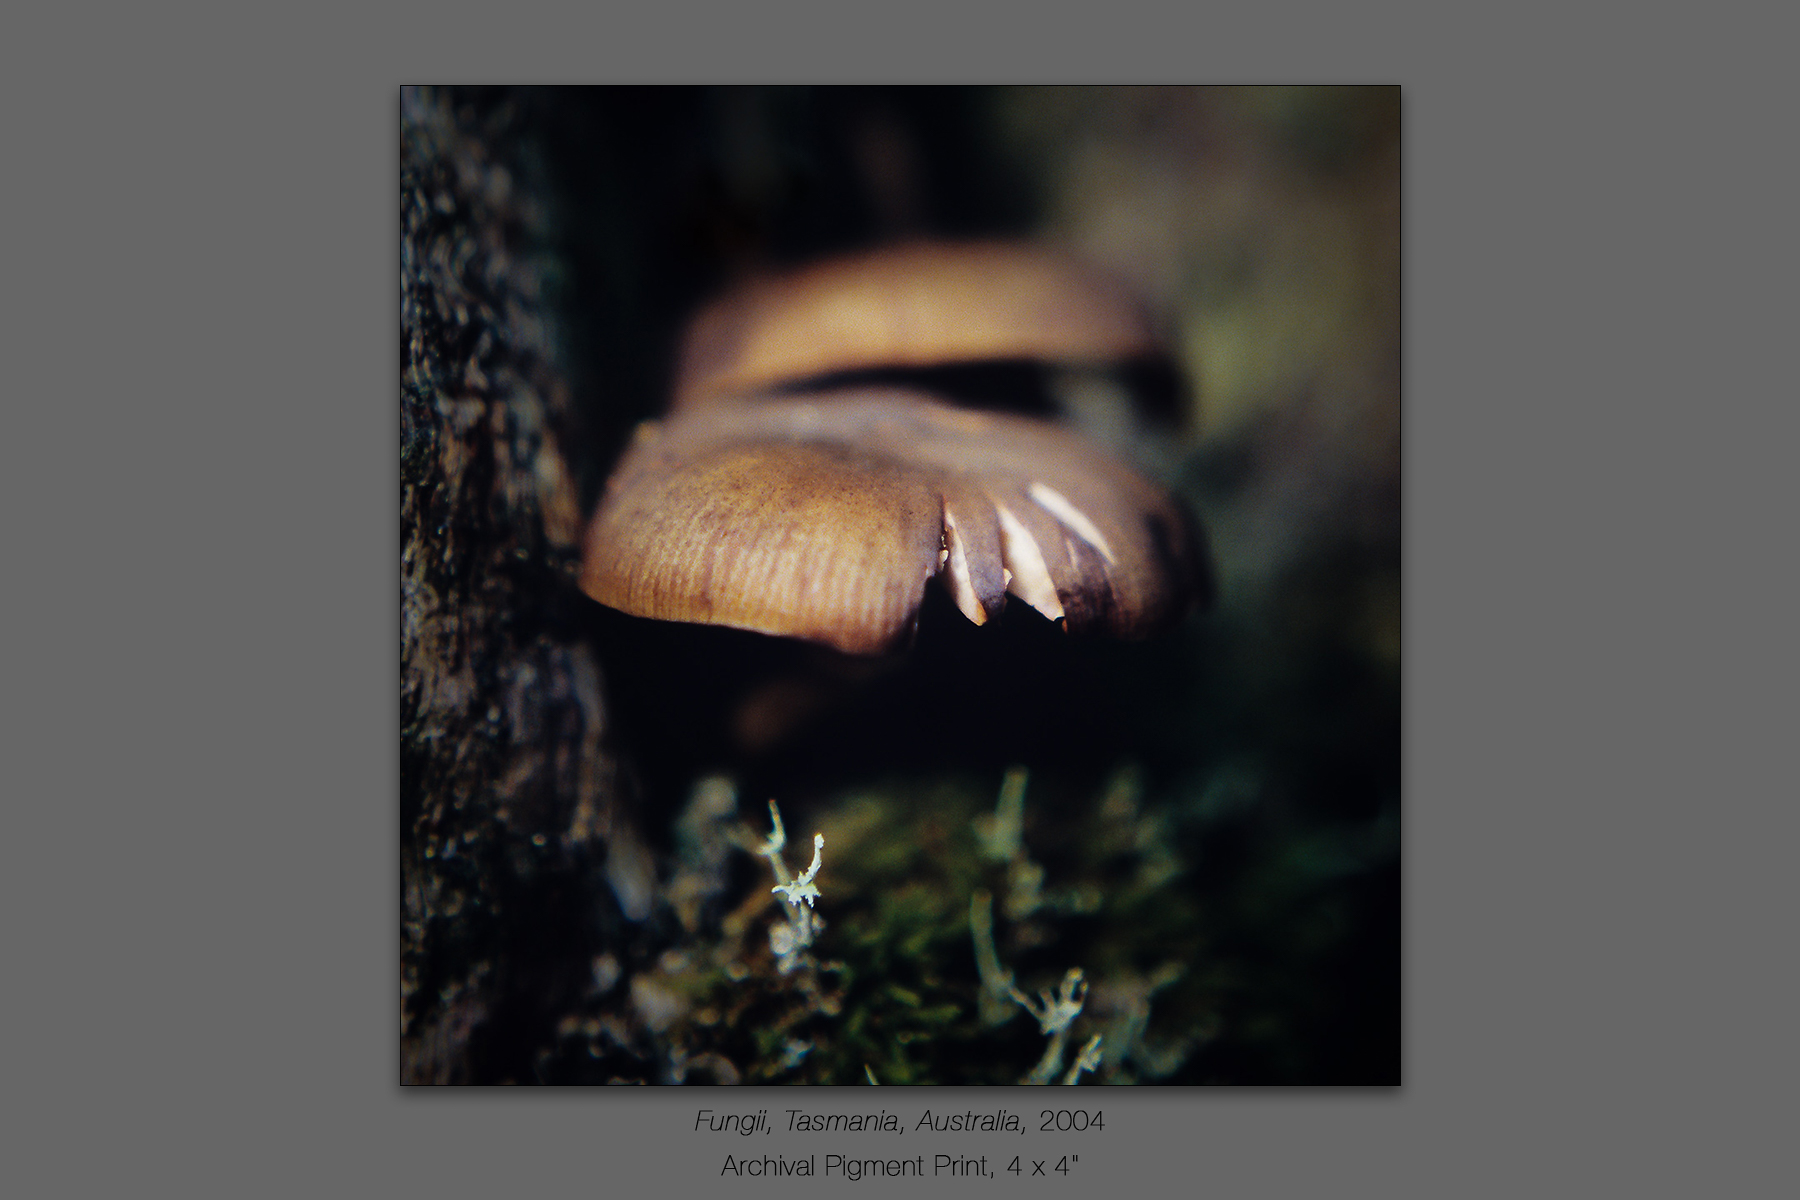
(824, 518)
(909, 305)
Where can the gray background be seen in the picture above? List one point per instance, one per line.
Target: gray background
(199, 464)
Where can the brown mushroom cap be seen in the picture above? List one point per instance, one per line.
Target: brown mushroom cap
(911, 305)
(824, 519)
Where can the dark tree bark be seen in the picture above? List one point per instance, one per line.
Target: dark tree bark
(508, 797)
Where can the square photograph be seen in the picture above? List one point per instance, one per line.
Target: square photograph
(900, 585)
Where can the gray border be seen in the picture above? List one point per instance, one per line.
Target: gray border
(201, 628)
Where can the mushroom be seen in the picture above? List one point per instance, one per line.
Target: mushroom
(916, 304)
(824, 518)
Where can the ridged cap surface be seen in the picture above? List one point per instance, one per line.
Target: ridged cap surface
(825, 518)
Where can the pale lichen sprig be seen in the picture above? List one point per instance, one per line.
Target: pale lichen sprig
(1087, 1060)
(790, 940)
(802, 889)
(1000, 835)
(997, 991)
(1054, 1013)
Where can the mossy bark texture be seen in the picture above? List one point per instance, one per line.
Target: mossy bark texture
(507, 798)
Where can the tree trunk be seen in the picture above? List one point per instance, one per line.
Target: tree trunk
(508, 800)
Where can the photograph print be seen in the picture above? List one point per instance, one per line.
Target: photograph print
(900, 585)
